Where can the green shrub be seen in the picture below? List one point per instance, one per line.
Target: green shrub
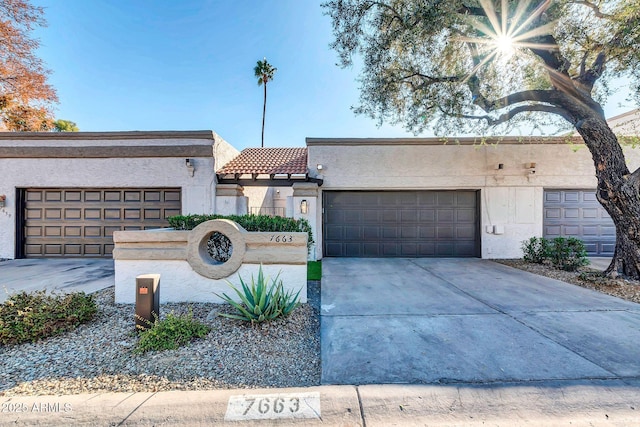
(32, 316)
(248, 222)
(563, 253)
(171, 333)
(568, 253)
(536, 250)
(261, 301)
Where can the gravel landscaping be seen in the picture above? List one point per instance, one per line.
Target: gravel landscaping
(98, 356)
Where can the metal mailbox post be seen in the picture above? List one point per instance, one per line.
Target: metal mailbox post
(147, 300)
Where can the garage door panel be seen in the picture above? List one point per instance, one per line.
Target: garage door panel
(72, 231)
(577, 213)
(80, 222)
(152, 214)
(112, 214)
(352, 233)
(389, 216)
(446, 199)
(352, 217)
(466, 199)
(33, 231)
(428, 215)
(409, 232)
(409, 216)
(444, 215)
(53, 196)
(427, 232)
(93, 196)
(73, 214)
(72, 196)
(403, 223)
(73, 249)
(53, 214)
(91, 214)
(466, 232)
(33, 213)
(465, 215)
(112, 196)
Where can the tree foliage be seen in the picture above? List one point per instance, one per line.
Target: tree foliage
(65, 126)
(26, 97)
(442, 59)
(479, 65)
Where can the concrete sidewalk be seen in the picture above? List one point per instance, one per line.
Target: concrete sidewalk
(575, 403)
(59, 275)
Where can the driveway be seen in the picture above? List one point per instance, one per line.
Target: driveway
(468, 320)
(60, 275)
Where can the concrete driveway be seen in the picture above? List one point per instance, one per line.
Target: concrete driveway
(468, 320)
(60, 275)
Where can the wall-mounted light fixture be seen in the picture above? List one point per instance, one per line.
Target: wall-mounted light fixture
(531, 167)
(500, 166)
(3, 200)
(319, 167)
(189, 164)
(304, 207)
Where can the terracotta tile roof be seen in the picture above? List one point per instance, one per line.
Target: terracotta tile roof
(268, 161)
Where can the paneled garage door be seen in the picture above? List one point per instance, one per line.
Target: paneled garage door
(401, 224)
(79, 222)
(577, 213)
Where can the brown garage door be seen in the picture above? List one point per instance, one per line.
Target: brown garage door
(577, 213)
(79, 222)
(401, 224)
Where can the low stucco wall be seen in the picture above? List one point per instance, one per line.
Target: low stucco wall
(188, 274)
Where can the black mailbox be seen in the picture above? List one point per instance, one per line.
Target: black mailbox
(147, 300)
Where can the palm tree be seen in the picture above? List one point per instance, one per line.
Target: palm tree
(264, 72)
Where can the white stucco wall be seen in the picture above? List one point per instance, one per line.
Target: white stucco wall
(511, 197)
(179, 283)
(198, 191)
(268, 197)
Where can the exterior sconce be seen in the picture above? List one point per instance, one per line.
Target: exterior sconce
(190, 167)
(3, 200)
(319, 167)
(304, 207)
(531, 167)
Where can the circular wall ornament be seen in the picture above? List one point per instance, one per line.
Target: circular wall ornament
(198, 255)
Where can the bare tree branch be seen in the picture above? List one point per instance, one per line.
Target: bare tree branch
(503, 118)
(595, 8)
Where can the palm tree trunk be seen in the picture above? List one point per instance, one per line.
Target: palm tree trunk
(264, 111)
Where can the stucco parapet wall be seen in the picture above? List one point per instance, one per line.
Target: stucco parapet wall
(125, 135)
(305, 189)
(107, 144)
(443, 141)
(229, 190)
(259, 247)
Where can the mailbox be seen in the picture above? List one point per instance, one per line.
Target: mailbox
(147, 300)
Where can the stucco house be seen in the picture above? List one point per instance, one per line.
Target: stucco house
(466, 197)
(63, 194)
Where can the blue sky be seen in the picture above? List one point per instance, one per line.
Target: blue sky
(188, 65)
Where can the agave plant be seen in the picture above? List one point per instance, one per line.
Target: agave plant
(261, 300)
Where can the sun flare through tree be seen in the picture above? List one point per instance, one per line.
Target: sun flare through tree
(487, 66)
